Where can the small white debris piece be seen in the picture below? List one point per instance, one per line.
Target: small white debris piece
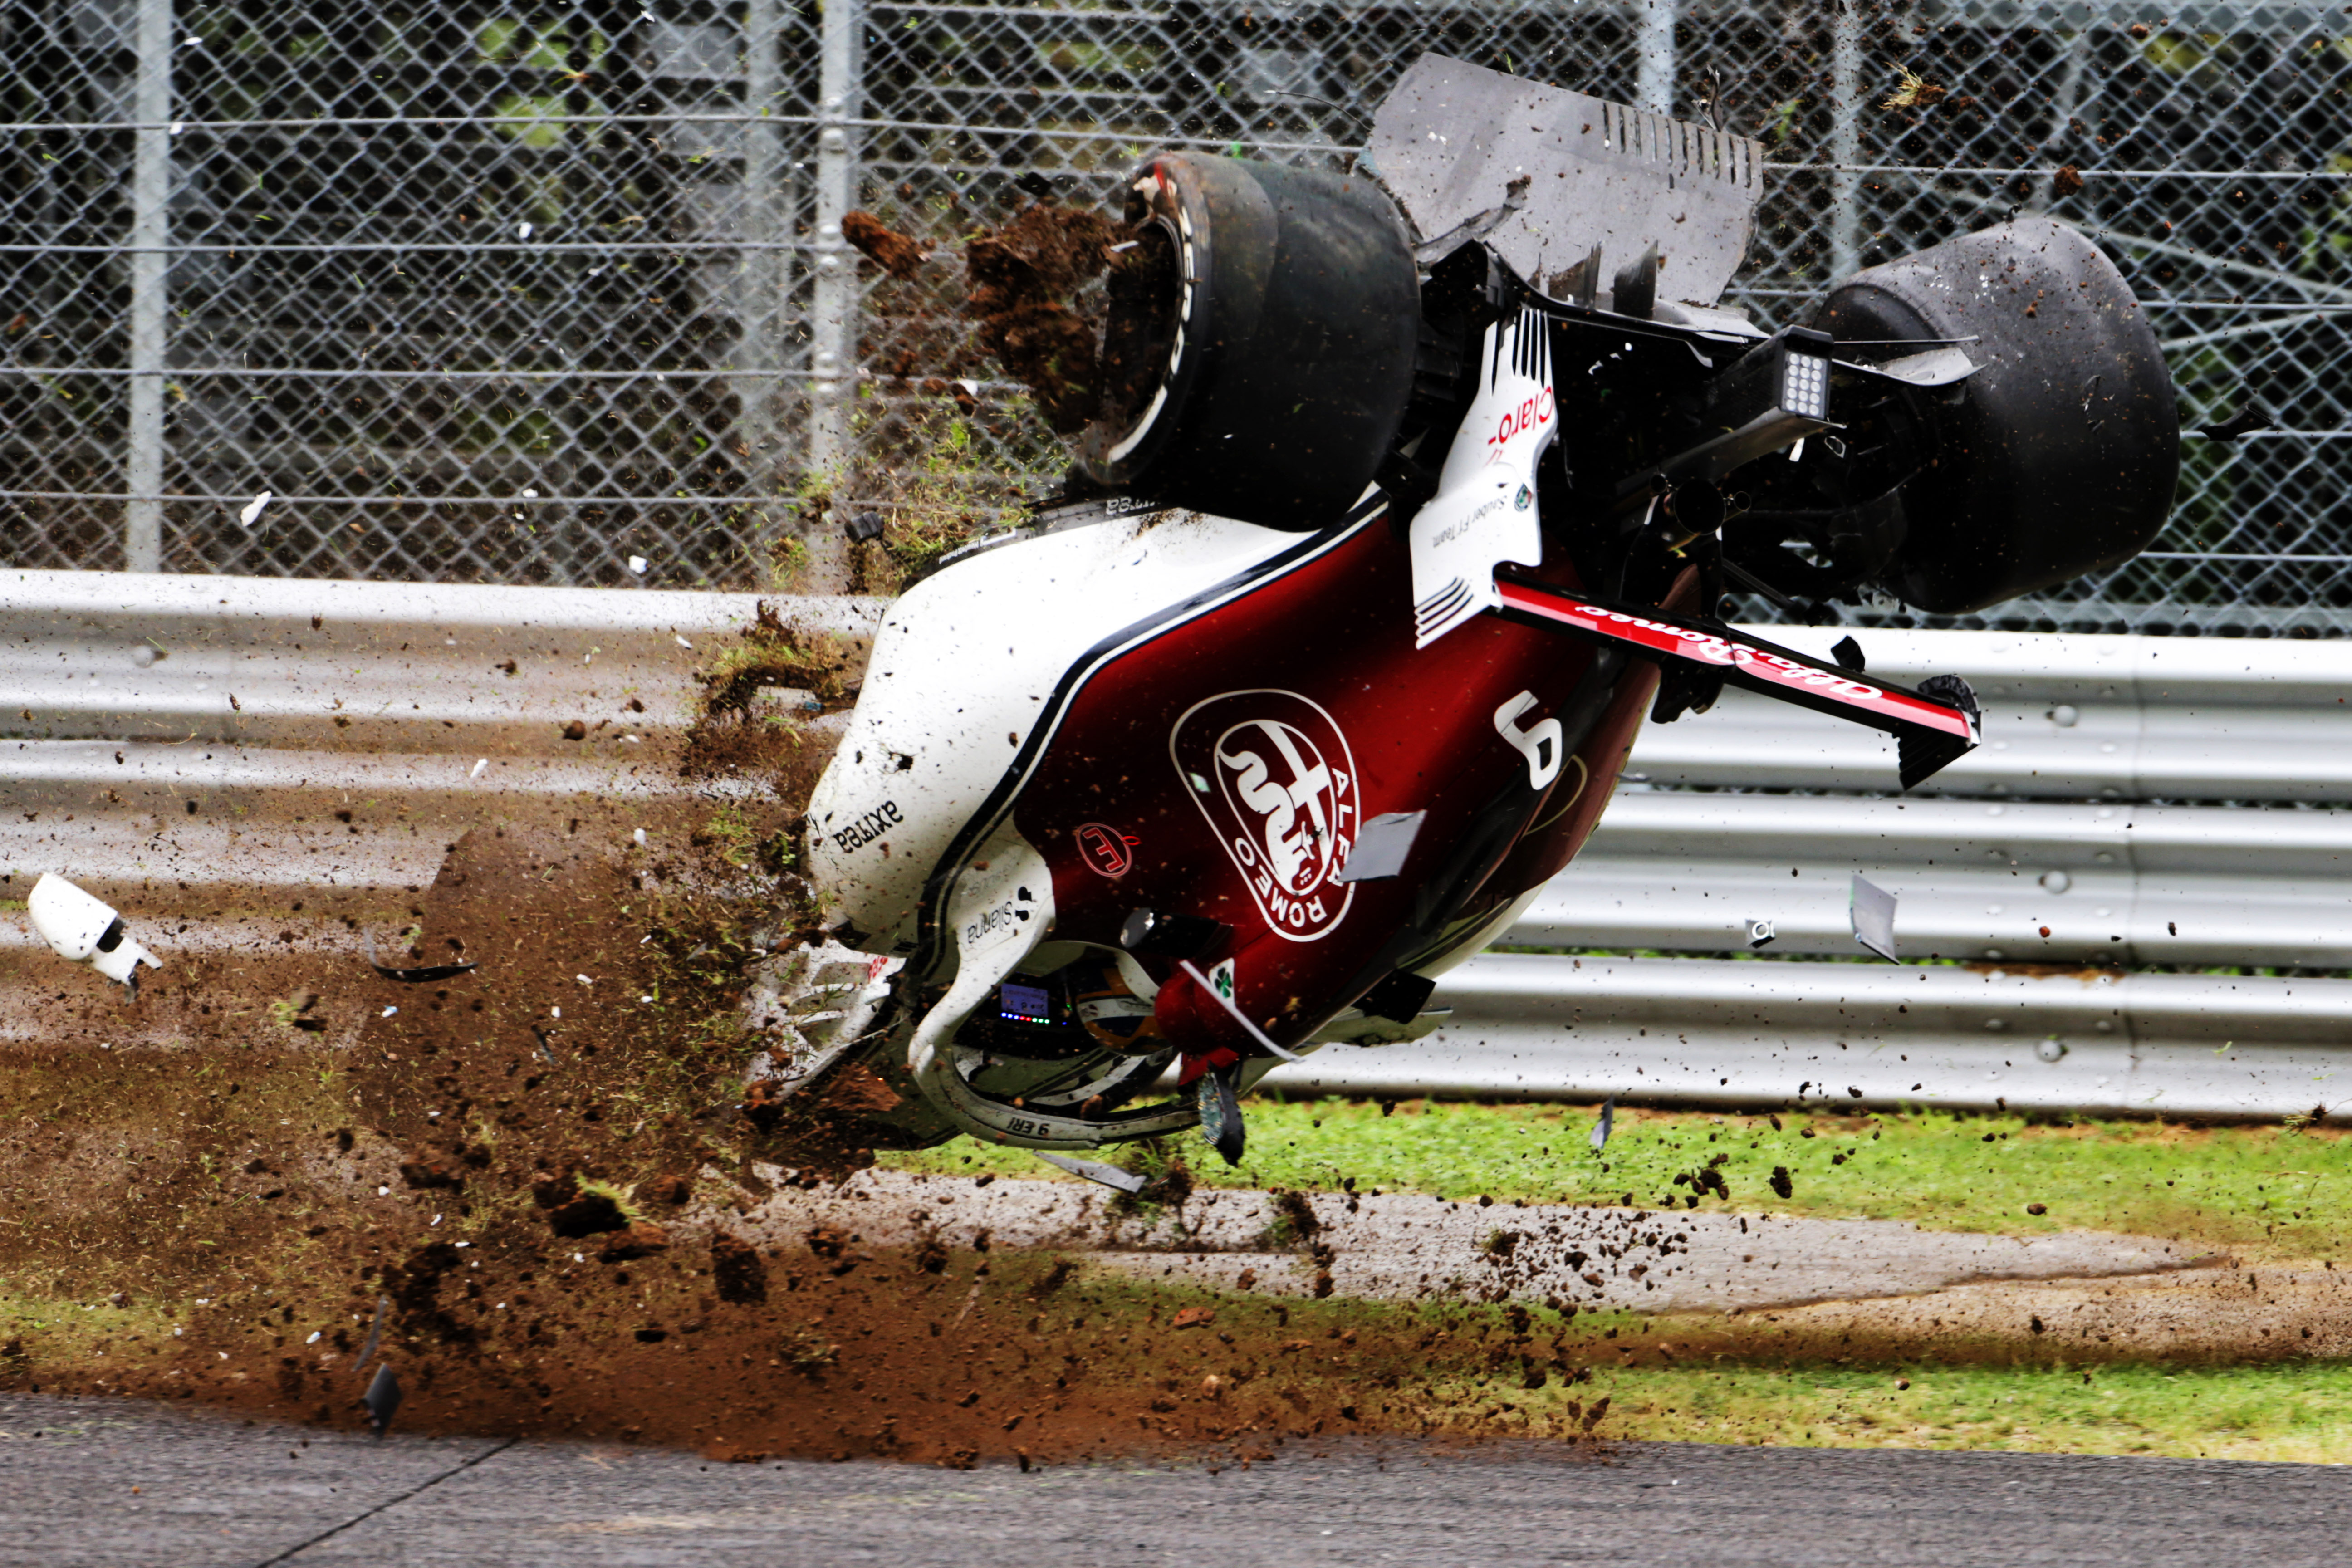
(1871, 907)
(522, 231)
(482, 766)
(82, 928)
(1601, 1129)
(1762, 934)
(383, 1192)
(1094, 1171)
(388, 1012)
(971, 387)
(529, 493)
(433, 1221)
(583, 980)
(250, 512)
(314, 1337)
(1382, 847)
(555, 1012)
(681, 642)
(637, 564)
(644, 998)
(144, 655)
(578, 1259)
(633, 740)
(640, 837)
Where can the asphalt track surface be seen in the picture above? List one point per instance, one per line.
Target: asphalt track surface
(124, 1485)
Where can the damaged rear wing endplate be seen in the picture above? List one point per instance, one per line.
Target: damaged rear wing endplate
(1933, 726)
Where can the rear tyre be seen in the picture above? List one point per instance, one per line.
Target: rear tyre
(1259, 348)
(2060, 455)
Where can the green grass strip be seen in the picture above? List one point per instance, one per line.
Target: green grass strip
(2261, 1191)
(2293, 1412)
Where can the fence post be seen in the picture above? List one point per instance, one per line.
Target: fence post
(764, 277)
(1845, 140)
(1654, 48)
(832, 336)
(150, 193)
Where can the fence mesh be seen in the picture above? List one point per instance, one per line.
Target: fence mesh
(483, 292)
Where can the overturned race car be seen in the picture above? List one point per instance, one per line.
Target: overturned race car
(1407, 493)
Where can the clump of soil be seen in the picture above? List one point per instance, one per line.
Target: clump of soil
(737, 1273)
(1023, 278)
(742, 734)
(893, 252)
(1141, 297)
(772, 654)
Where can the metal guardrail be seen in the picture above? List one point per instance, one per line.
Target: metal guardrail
(2088, 829)
(272, 705)
(2046, 847)
(2108, 884)
(2153, 718)
(359, 669)
(1718, 1032)
(181, 746)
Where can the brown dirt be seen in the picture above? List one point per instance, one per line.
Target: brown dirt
(538, 1167)
(1024, 277)
(893, 252)
(838, 1351)
(743, 733)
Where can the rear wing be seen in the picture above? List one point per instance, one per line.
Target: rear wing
(1933, 726)
(1552, 180)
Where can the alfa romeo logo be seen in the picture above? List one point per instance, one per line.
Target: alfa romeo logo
(1273, 775)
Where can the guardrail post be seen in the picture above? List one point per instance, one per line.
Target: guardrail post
(1845, 140)
(1653, 49)
(833, 337)
(150, 193)
(763, 277)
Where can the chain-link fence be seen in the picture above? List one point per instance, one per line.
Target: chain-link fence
(558, 293)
